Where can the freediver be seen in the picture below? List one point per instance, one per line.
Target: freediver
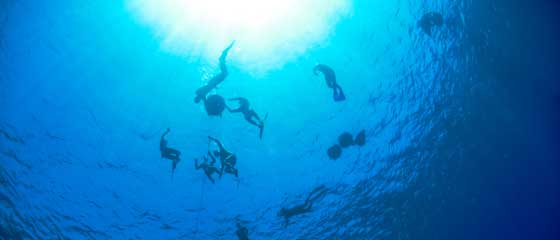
(208, 168)
(213, 83)
(249, 114)
(430, 20)
(227, 159)
(167, 152)
(306, 207)
(242, 232)
(330, 78)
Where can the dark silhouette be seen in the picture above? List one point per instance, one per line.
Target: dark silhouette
(306, 207)
(334, 152)
(242, 232)
(227, 159)
(213, 83)
(249, 114)
(330, 78)
(214, 105)
(345, 140)
(430, 20)
(167, 152)
(208, 168)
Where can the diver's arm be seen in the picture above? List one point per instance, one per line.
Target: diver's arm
(217, 142)
(164, 134)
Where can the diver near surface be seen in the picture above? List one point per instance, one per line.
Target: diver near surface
(213, 83)
(429, 21)
(330, 78)
(208, 168)
(249, 114)
(306, 207)
(227, 159)
(242, 232)
(167, 152)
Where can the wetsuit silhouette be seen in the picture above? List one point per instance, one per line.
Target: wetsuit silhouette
(227, 159)
(429, 21)
(242, 232)
(249, 114)
(208, 168)
(306, 207)
(213, 83)
(330, 78)
(167, 152)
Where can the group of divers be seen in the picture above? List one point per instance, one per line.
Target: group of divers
(215, 105)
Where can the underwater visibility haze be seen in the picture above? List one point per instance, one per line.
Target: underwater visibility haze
(288, 119)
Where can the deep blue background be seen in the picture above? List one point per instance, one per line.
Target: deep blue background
(462, 130)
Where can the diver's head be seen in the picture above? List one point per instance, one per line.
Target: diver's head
(216, 153)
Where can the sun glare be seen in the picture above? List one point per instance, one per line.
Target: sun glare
(268, 32)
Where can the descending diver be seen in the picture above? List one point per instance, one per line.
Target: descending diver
(227, 159)
(242, 232)
(167, 152)
(213, 83)
(208, 168)
(287, 213)
(249, 114)
(430, 20)
(330, 78)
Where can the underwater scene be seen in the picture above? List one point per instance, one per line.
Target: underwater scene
(279, 119)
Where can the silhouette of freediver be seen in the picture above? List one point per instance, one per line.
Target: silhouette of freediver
(242, 232)
(306, 207)
(213, 83)
(429, 21)
(209, 168)
(330, 78)
(250, 115)
(227, 159)
(167, 152)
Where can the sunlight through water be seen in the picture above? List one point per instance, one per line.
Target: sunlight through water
(269, 33)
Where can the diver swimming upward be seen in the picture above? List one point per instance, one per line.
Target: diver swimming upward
(213, 83)
(249, 114)
(330, 78)
(287, 213)
(167, 152)
(227, 159)
(209, 168)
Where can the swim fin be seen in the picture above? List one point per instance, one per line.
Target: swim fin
(339, 96)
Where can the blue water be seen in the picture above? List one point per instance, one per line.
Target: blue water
(461, 127)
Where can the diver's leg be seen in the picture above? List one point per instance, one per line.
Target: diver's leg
(234, 110)
(338, 94)
(251, 121)
(255, 115)
(223, 67)
(175, 164)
